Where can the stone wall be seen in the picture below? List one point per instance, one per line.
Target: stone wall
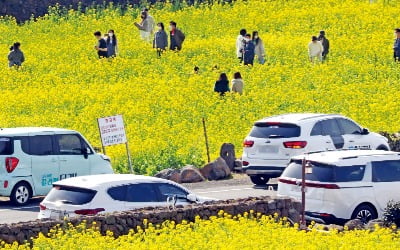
(120, 223)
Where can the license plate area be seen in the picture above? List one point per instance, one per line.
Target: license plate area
(268, 149)
(57, 215)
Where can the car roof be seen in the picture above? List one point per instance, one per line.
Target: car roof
(107, 180)
(297, 117)
(336, 156)
(26, 130)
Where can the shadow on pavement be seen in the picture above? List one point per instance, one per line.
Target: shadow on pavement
(271, 187)
(31, 206)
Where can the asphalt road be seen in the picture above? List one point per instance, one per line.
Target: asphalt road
(239, 187)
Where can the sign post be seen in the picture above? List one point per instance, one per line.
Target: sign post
(112, 132)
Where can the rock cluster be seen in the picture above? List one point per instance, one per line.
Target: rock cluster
(121, 222)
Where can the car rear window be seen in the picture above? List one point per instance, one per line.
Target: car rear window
(326, 173)
(6, 147)
(275, 130)
(70, 195)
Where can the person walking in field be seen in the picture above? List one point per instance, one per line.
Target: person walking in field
(160, 42)
(396, 45)
(101, 45)
(16, 56)
(144, 27)
(237, 83)
(112, 44)
(248, 51)
(240, 40)
(176, 37)
(325, 44)
(315, 49)
(259, 47)
(152, 23)
(222, 85)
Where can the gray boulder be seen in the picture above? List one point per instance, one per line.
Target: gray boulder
(216, 170)
(228, 154)
(190, 174)
(354, 224)
(170, 174)
(373, 223)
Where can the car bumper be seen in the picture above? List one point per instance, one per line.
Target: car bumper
(6, 186)
(324, 218)
(271, 171)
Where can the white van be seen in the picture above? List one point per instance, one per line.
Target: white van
(31, 159)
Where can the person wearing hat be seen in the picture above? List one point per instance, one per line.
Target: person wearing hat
(396, 45)
(315, 49)
(325, 44)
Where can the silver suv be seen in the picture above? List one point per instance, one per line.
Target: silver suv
(274, 140)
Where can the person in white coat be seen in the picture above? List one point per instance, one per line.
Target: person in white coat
(315, 49)
(240, 41)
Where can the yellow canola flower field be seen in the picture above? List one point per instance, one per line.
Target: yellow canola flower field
(247, 231)
(63, 84)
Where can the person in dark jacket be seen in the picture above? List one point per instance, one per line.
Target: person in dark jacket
(101, 45)
(396, 45)
(248, 51)
(160, 41)
(222, 85)
(16, 56)
(112, 44)
(325, 44)
(176, 37)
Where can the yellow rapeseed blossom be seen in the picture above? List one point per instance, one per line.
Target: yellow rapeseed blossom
(63, 84)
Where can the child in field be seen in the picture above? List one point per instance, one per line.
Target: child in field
(315, 49)
(16, 56)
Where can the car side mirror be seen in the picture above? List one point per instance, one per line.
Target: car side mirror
(364, 131)
(191, 197)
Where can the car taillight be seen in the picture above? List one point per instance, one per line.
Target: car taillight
(309, 184)
(295, 144)
(248, 144)
(11, 164)
(42, 207)
(5, 185)
(89, 211)
(245, 163)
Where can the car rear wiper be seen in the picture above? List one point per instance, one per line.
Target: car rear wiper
(275, 136)
(66, 202)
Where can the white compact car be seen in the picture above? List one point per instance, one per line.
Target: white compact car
(344, 185)
(90, 195)
(32, 159)
(274, 140)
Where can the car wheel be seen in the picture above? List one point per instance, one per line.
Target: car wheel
(259, 179)
(21, 194)
(364, 213)
(382, 147)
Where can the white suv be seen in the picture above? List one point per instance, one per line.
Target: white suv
(344, 185)
(274, 140)
(32, 159)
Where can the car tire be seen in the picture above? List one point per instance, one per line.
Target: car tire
(21, 194)
(382, 147)
(259, 179)
(365, 213)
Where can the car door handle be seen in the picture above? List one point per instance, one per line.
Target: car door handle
(351, 141)
(328, 142)
(63, 159)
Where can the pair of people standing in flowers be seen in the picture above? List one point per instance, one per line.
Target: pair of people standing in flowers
(160, 42)
(106, 46)
(247, 47)
(318, 47)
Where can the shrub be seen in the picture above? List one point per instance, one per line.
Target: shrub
(391, 214)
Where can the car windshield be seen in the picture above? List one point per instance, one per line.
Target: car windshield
(70, 195)
(275, 130)
(5, 146)
(326, 173)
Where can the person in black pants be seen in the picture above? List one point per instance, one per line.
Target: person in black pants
(101, 45)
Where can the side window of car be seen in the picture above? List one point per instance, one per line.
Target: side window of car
(167, 190)
(317, 129)
(40, 145)
(143, 192)
(348, 127)
(69, 144)
(330, 127)
(386, 171)
(117, 193)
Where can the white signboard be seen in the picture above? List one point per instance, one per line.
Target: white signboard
(112, 130)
